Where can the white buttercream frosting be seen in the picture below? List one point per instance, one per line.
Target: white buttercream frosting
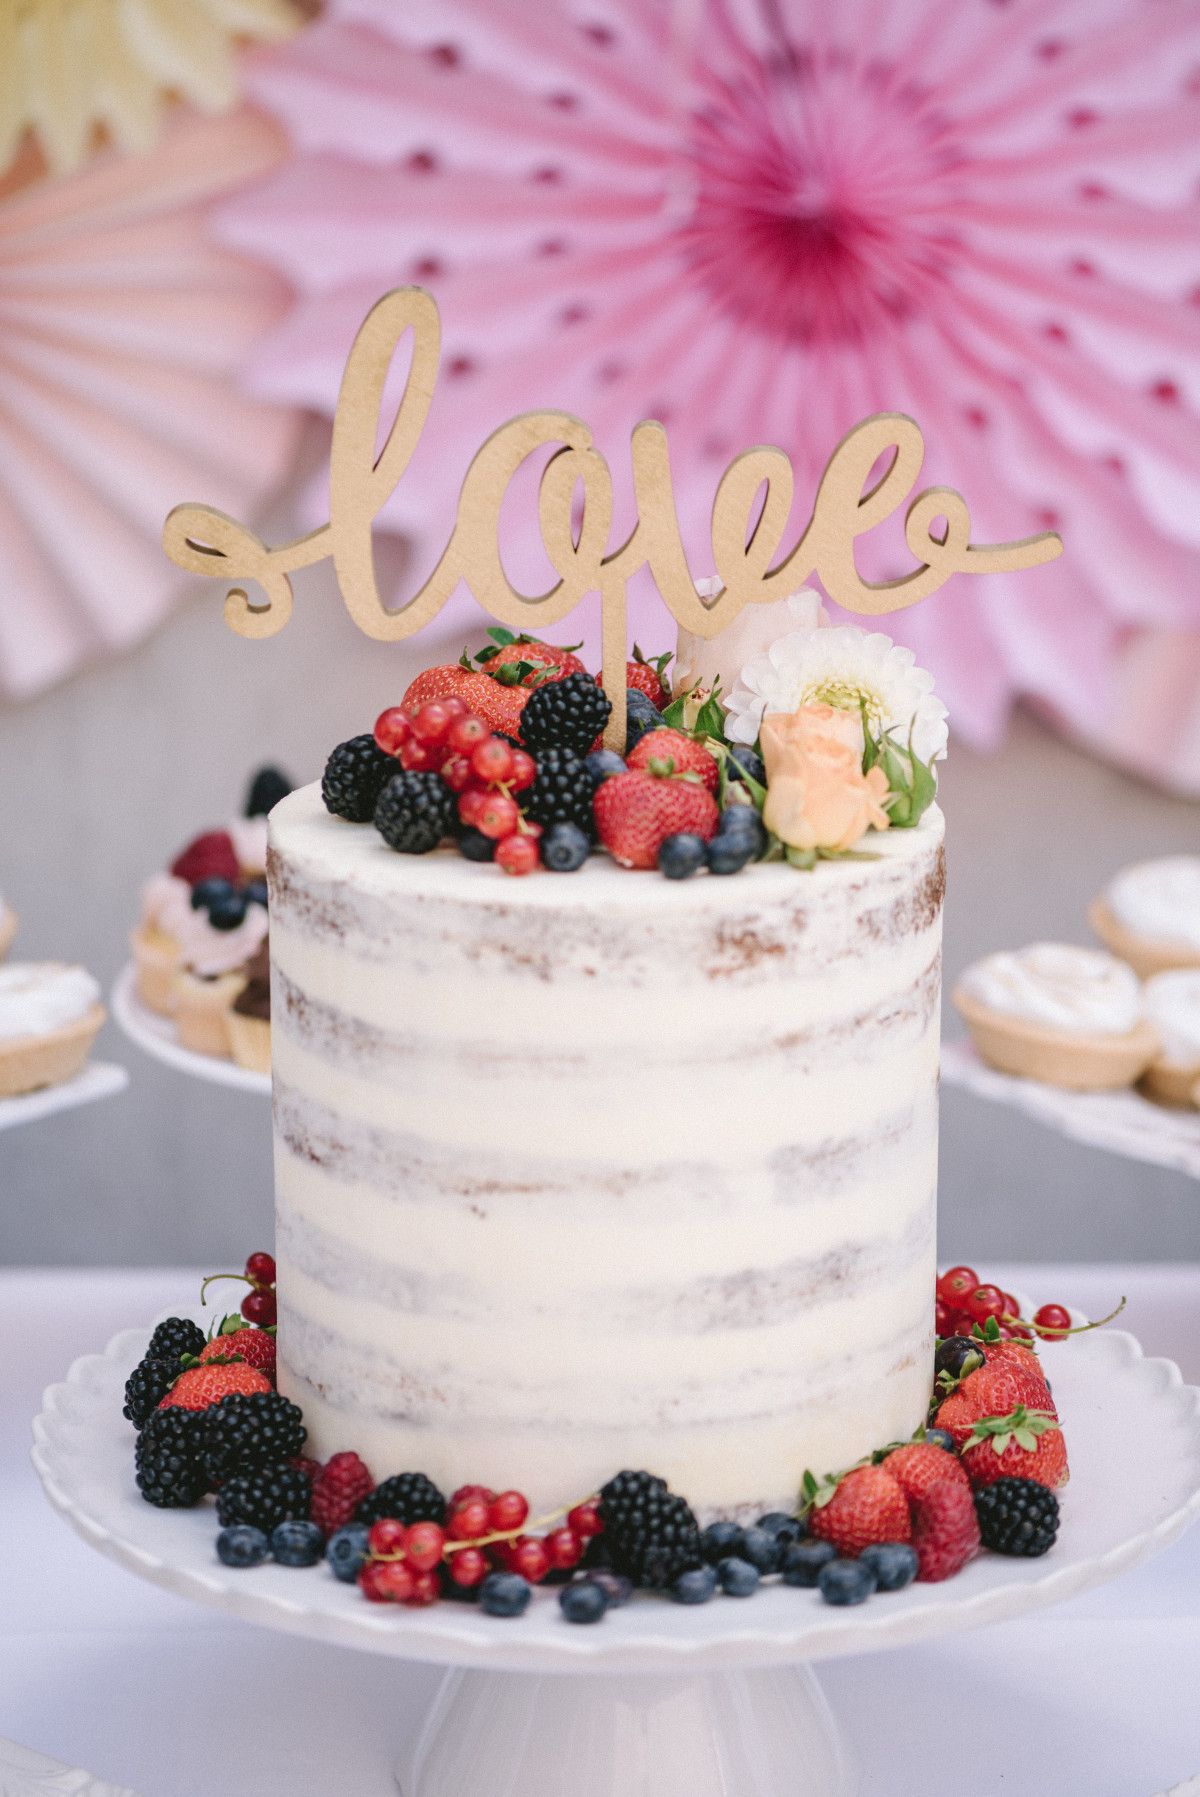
(1059, 985)
(37, 997)
(167, 906)
(1172, 1003)
(1159, 899)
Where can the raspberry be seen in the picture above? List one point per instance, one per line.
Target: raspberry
(208, 857)
(945, 1531)
(413, 812)
(355, 775)
(338, 1489)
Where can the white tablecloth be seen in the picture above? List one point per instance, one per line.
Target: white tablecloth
(1097, 1698)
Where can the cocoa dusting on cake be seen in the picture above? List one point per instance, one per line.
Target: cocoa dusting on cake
(739, 946)
(917, 911)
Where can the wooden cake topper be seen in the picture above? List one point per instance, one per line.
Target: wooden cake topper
(745, 538)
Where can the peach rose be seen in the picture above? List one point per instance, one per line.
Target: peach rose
(817, 794)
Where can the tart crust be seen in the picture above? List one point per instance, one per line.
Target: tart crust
(30, 1062)
(1076, 1061)
(1172, 1083)
(1147, 955)
(156, 961)
(250, 1042)
(8, 929)
(202, 1010)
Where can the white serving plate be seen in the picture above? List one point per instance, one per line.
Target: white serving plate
(156, 1036)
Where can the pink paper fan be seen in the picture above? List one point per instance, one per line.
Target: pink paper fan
(121, 326)
(760, 222)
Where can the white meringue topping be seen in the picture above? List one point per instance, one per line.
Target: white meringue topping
(1059, 985)
(37, 997)
(1159, 900)
(1172, 1003)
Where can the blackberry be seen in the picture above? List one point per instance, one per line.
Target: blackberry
(173, 1337)
(167, 1463)
(264, 1498)
(146, 1386)
(562, 791)
(566, 714)
(1017, 1516)
(414, 812)
(355, 775)
(250, 1429)
(651, 1534)
(410, 1497)
(266, 789)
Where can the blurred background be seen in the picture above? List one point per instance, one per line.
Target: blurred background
(756, 222)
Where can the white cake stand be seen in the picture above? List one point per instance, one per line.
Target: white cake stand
(1122, 1122)
(156, 1035)
(716, 1701)
(99, 1079)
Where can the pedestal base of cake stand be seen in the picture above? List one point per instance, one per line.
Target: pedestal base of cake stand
(734, 1734)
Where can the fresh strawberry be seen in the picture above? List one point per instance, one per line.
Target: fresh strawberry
(1024, 1363)
(649, 677)
(338, 1488)
(254, 1346)
(529, 662)
(919, 1465)
(498, 705)
(867, 1506)
(200, 1386)
(993, 1390)
(1025, 1444)
(945, 1530)
(674, 752)
(636, 811)
(208, 857)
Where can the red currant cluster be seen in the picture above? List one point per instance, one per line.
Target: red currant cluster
(964, 1300)
(258, 1306)
(483, 1532)
(444, 736)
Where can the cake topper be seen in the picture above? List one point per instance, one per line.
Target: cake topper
(746, 529)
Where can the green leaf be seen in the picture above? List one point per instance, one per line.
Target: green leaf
(710, 719)
(673, 715)
(805, 859)
(502, 638)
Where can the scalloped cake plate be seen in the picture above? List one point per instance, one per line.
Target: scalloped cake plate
(155, 1036)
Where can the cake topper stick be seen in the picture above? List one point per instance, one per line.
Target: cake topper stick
(746, 539)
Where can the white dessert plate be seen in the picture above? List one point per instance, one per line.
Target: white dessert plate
(156, 1036)
(1123, 1122)
(732, 1697)
(24, 1773)
(99, 1079)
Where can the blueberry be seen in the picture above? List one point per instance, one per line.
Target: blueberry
(615, 1586)
(741, 827)
(894, 1564)
(958, 1355)
(585, 1602)
(228, 911)
(240, 1545)
(846, 1582)
(729, 854)
(475, 845)
(738, 1577)
(784, 1528)
(602, 764)
(298, 1543)
(681, 855)
(256, 892)
(696, 1586)
(346, 1550)
(564, 848)
(742, 761)
(719, 1540)
(505, 1594)
(641, 714)
(207, 892)
(762, 1549)
(803, 1560)
(942, 1438)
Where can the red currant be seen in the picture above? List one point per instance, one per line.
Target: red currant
(943, 1318)
(517, 854)
(387, 1536)
(1051, 1319)
(261, 1268)
(524, 771)
(423, 1545)
(373, 1581)
(432, 722)
(417, 757)
(958, 1283)
(258, 1307)
(465, 1493)
(508, 1511)
(398, 1581)
(564, 1549)
(528, 1556)
(466, 733)
(425, 1589)
(456, 772)
(470, 1520)
(455, 708)
(492, 761)
(497, 816)
(986, 1301)
(470, 804)
(393, 728)
(469, 1567)
(584, 1519)
(1011, 1306)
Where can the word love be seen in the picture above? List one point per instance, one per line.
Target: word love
(749, 515)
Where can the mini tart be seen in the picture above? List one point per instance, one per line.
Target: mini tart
(250, 1041)
(156, 962)
(1075, 1060)
(1145, 954)
(8, 928)
(28, 1063)
(1172, 1082)
(202, 1010)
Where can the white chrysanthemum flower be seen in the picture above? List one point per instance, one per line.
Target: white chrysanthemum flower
(846, 667)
